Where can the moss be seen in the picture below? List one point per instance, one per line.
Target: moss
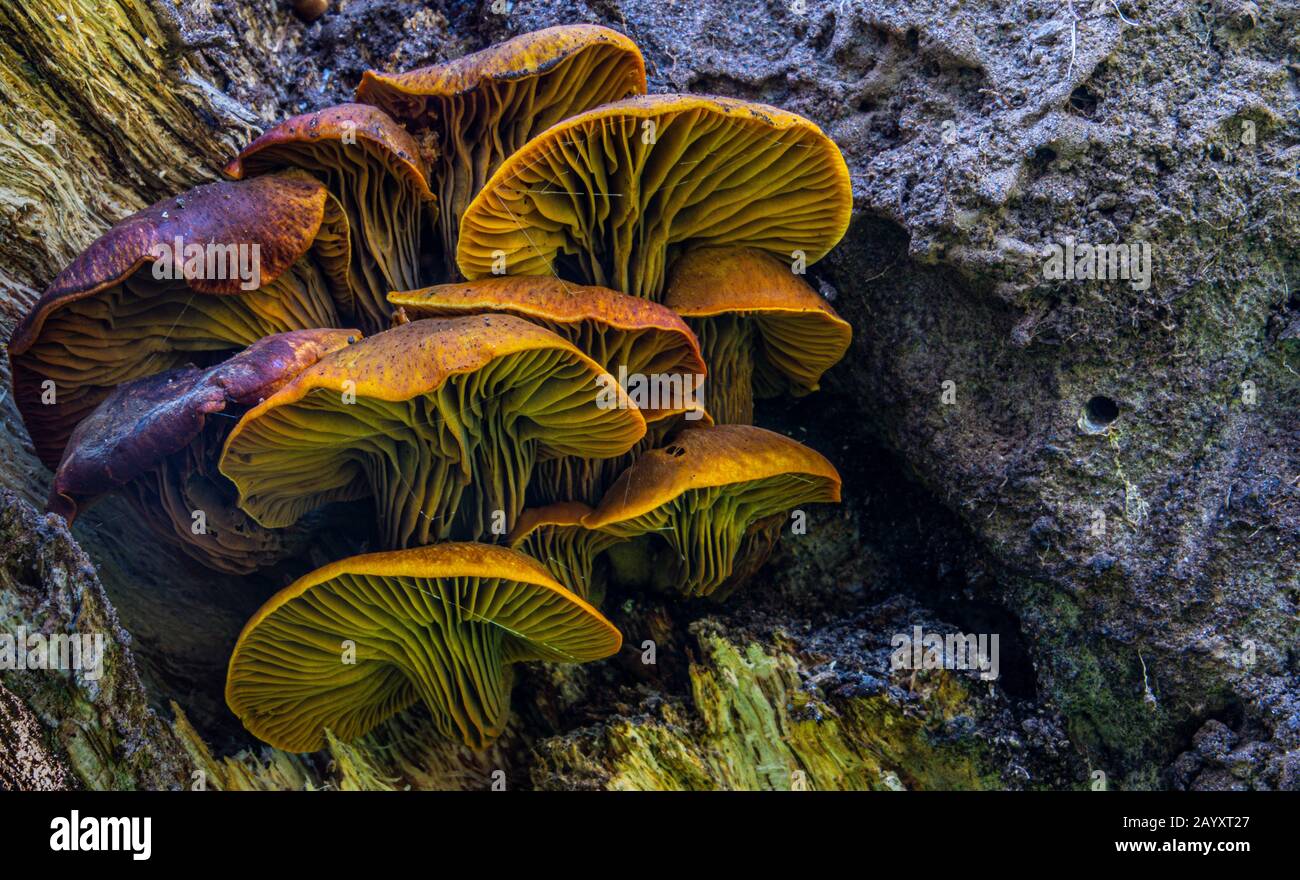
(101, 727)
(404, 753)
(92, 86)
(244, 772)
(1099, 688)
(755, 727)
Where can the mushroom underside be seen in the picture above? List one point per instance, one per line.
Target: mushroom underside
(145, 326)
(612, 200)
(446, 641)
(451, 464)
(226, 539)
(728, 342)
(662, 365)
(708, 529)
(480, 128)
(385, 220)
(752, 355)
(579, 478)
(573, 554)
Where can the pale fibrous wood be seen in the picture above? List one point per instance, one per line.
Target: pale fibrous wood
(105, 107)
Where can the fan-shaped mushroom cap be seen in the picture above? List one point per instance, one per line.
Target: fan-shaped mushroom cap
(611, 196)
(762, 327)
(374, 168)
(555, 536)
(147, 433)
(630, 337)
(439, 421)
(571, 478)
(704, 491)
(126, 308)
(481, 108)
(442, 624)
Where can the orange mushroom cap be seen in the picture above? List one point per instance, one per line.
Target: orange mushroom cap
(339, 126)
(481, 108)
(562, 513)
(441, 624)
(611, 196)
(376, 171)
(440, 421)
(628, 336)
(411, 95)
(762, 327)
(704, 492)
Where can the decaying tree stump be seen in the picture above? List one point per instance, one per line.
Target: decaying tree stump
(973, 143)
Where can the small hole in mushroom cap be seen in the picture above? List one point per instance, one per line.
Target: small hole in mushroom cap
(1098, 414)
(675, 451)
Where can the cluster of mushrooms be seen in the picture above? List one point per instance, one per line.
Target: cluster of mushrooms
(578, 229)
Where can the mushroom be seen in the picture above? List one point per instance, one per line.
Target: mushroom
(310, 10)
(647, 346)
(479, 109)
(439, 421)
(190, 279)
(152, 437)
(764, 331)
(588, 479)
(441, 624)
(555, 536)
(702, 496)
(611, 196)
(375, 170)
(755, 547)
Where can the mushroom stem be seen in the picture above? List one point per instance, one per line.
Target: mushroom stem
(571, 554)
(413, 486)
(727, 342)
(756, 546)
(578, 479)
(503, 467)
(458, 667)
(380, 208)
(714, 540)
(713, 533)
(632, 564)
(417, 484)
